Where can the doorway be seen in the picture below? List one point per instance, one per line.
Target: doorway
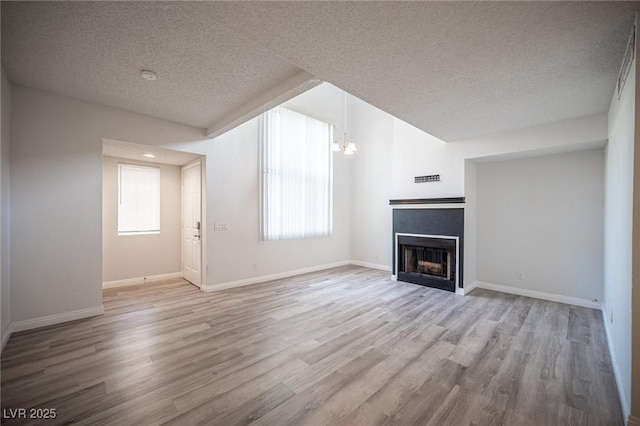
(168, 250)
(192, 223)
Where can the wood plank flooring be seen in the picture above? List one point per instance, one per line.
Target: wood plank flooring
(345, 346)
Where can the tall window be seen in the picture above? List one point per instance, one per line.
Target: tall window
(297, 176)
(138, 199)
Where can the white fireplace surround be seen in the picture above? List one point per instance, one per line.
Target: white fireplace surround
(444, 237)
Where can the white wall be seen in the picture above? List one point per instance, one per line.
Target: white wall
(136, 256)
(618, 231)
(232, 194)
(5, 306)
(416, 153)
(372, 130)
(470, 222)
(56, 196)
(393, 152)
(369, 170)
(542, 216)
(324, 102)
(634, 409)
(57, 204)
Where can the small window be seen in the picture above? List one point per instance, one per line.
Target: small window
(138, 199)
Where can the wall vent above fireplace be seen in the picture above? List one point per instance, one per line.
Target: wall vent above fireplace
(428, 178)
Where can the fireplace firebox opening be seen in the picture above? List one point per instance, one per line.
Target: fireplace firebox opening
(427, 260)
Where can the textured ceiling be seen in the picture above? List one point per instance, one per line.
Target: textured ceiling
(452, 69)
(133, 151)
(95, 50)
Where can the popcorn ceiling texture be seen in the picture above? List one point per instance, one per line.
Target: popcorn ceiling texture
(452, 69)
(94, 51)
(133, 151)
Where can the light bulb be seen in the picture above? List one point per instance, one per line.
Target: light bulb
(351, 147)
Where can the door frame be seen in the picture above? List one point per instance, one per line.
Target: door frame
(203, 219)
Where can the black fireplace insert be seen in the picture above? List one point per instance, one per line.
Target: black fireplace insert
(428, 261)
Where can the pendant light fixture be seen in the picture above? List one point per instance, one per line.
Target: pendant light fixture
(343, 143)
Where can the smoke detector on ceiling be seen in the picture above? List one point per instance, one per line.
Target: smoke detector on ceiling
(148, 75)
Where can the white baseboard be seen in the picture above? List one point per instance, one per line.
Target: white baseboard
(569, 300)
(371, 265)
(140, 280)
(5, 336)
(624, 398)
(264, 278)
(467, 288)
(56, 319)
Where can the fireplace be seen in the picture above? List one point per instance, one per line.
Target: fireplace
(432, 239)
(429, 260)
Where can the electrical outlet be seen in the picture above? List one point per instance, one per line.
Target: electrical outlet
(220, 226)
(254, 266)
(520, 275)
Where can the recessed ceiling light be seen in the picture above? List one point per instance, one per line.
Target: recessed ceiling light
(149, 155)
(148, 75)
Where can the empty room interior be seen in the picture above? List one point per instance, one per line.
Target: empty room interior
(340, 213)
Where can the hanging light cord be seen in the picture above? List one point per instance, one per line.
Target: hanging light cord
(348, 147)
(345, 118)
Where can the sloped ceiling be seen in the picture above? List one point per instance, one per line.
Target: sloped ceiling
(452, 69)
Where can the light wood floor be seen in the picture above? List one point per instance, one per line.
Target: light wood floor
(343, 346)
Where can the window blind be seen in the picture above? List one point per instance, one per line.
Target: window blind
(297, 176)
(138, 199)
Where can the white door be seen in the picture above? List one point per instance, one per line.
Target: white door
(191, 224)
